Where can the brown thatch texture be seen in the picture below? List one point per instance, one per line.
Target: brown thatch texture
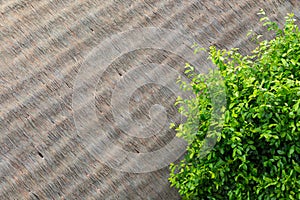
(42, 44)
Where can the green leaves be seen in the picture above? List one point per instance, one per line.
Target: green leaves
(258, 153)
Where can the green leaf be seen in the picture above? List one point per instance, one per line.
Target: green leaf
(297, 169)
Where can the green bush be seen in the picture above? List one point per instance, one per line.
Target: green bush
(257, 155)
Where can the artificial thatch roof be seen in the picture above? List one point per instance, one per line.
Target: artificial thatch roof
(44, 43)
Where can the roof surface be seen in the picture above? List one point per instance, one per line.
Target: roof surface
(78, 81)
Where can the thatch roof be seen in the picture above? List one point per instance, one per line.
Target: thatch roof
(43, 154)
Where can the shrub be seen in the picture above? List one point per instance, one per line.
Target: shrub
(257, 155)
